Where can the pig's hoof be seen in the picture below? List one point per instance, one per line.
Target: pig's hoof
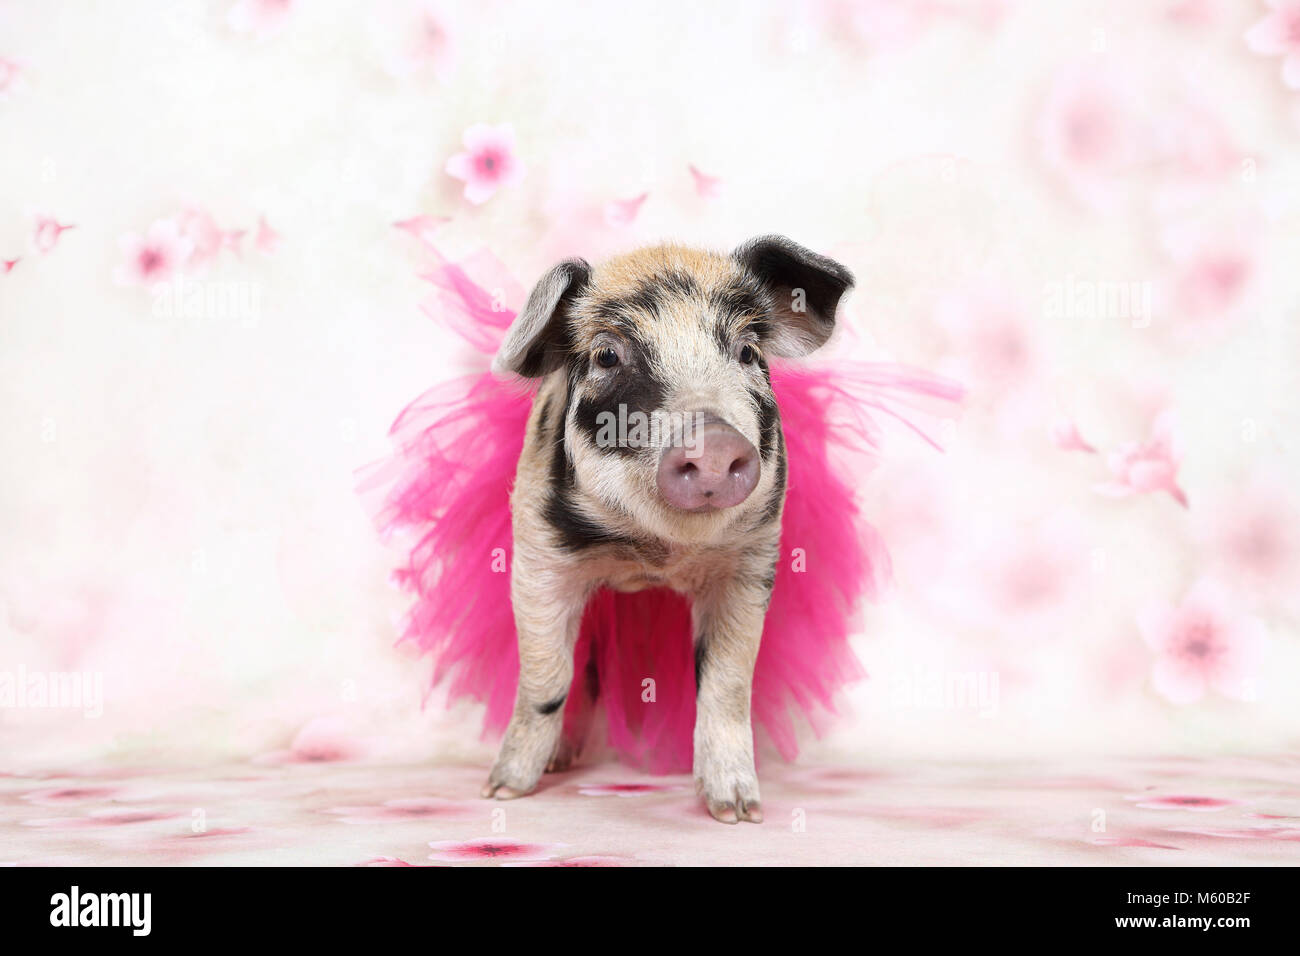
(733, 803)
(501, 791)
(500, 785)
(733, 812)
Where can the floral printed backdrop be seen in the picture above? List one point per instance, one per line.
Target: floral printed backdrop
(210, 312)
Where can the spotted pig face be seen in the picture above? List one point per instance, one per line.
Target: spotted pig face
(662, 413)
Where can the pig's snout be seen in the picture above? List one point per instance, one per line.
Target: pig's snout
(717, 468)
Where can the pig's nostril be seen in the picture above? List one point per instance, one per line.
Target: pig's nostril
(739, 465)
(687, 469)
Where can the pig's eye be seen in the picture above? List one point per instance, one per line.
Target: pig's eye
(606, 358)
(748, 355)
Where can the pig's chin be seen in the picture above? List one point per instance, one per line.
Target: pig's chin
(702, 511)
(698, 525)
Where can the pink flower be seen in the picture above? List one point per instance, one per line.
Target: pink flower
(1139, 467)
(1212, 282)
(430, 42)
(9, 264)
(452, 851)
(9, 76)
(1065, 435)
(573, 861)
(706, 187)
(53, 796)
(265, 18)
(1182, 802)
(321, 740)
(206, 239)
(991, 344)
(267, 240)
(381, 861)
(395, 811)
(47, 232)
(209, 239)
(1086, 132)
(153, 258)
(1213, 266)
(488, 162)
(622, 212)
(1278, 34)
(1033, 576)
(1194, 13)
(422, 43)
(1256, 535)
(1018, 576)
(111, 817)
(1203, 643)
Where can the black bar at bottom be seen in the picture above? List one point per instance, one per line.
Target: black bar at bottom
(434, 905)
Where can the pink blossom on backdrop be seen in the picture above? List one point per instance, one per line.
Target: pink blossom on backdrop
(420, 40)
(47, 232)
(321, 740)
(1152, 465)
(154, 257)
(1195, 13)
(399, 809)
(1212, 266)
(267, 240)
(1017, 576)
(1194, 802)
(1065, 436)
(10, 75)
(991, 347)
(1088, 134)
(1205, 643)
(1253, 536)
(622, 212)
(491, 851)
(706, 187)
(205, 237)
(1278, 34)
(488, 162)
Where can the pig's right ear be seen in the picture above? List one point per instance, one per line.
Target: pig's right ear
(806, 289)
(537, 340)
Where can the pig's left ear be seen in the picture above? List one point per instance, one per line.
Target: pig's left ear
(536, 341)
(806, 290)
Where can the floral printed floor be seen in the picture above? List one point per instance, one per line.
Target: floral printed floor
(1160, 811)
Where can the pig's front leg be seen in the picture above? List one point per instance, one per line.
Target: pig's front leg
(548, 612)
(728, 620)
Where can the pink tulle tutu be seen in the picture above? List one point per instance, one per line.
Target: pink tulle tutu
(447, 486)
